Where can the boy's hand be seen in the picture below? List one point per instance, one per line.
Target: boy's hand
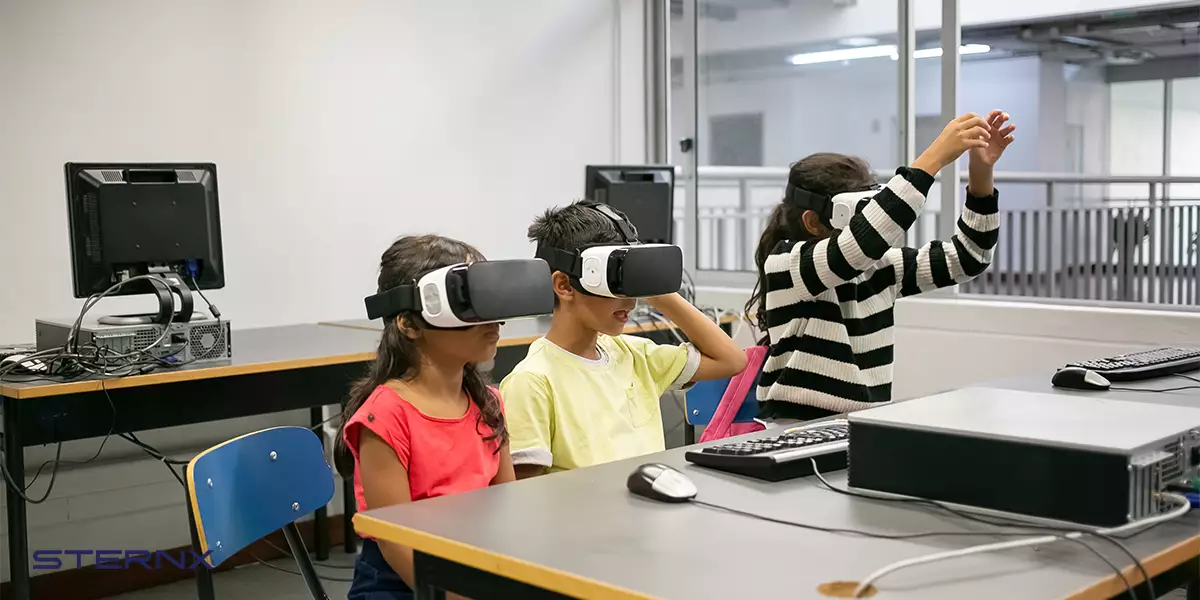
(962, 134)
(1001, 136)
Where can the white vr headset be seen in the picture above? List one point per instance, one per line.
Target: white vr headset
(629, 270)
(837, 209)
(465, 295)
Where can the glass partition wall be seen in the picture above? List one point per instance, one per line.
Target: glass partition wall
(1099, 195)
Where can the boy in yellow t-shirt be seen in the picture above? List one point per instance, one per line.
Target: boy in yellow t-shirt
(586, 394)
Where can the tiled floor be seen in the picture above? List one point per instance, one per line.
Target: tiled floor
(256, 582)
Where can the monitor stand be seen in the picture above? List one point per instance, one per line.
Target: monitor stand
(174, 285)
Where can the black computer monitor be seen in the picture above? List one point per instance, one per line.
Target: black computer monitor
(130, 219)
(645, 193)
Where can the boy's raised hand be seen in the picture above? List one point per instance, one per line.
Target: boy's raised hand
(1001, 132)
(967, 132)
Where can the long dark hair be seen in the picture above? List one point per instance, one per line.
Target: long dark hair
(824, 173)
(398, 357)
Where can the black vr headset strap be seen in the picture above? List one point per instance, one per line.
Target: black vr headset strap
(622, 224)
(802, 198)
(393, 301)
(560, 260)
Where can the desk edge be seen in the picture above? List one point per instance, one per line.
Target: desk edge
(544, 577)
(10, 390)
(1158, 563)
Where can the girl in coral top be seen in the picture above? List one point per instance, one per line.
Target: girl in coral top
(424, 423)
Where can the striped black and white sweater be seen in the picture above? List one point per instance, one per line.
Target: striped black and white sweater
(829, 302)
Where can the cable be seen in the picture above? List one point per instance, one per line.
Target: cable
(315, 562)
(19, 490)
(212, 308)
(22, 490)
(73, 360)
(1174, 389)
(291, 572)
(1187, 377)
(978, 519)
(865, 584)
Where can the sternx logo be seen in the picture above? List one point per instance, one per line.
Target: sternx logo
(118, 560)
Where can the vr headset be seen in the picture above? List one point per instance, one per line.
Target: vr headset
(465, 295)
(837, 209)
(629, 270)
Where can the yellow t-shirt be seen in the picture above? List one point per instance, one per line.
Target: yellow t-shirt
(566, 412)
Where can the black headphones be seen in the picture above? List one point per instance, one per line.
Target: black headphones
(166, 288)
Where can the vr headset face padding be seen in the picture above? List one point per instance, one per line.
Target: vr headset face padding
(651, 270)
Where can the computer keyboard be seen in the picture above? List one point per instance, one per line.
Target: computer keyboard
(1144, 365)
(782, 456)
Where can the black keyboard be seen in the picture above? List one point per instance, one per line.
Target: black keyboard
(782, 456)
(1144, 365)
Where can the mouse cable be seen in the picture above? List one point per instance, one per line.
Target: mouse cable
(1137, 562)
(1174, 389)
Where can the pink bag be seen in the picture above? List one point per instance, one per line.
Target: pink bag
(722, 426)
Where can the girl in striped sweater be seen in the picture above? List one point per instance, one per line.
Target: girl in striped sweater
(824, 296)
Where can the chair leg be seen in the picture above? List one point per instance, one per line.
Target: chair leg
(296, 543)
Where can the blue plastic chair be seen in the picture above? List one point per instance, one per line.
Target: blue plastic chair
(703, 398)
(250, 486)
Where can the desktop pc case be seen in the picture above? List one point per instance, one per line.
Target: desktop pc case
(197, 341)
(1059, 457)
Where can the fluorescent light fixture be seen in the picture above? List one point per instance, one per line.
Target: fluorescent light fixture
(858, 41)
(888, 50)
(962, 50)
(812, 58)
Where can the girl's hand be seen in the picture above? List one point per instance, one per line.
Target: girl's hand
(967, 132)
(1001, 136)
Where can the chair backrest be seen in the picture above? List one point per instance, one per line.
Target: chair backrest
(255, 484)
(738, 398)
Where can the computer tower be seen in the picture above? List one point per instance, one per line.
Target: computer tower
(1086, 460)
(196, 341)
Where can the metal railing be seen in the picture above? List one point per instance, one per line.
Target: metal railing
(1116, 238)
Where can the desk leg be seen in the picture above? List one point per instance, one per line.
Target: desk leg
(204, 579)
(425, 578)
(18, 526)
(436, 576)
(349, 507)
(321, 518)
(1193, 583)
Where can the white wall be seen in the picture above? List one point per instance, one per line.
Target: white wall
(335, 127)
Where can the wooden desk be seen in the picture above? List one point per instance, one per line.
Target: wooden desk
(273, 369)
(581, 534)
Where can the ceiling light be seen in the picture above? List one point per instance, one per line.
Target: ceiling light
(812, 58)
(858, 41)
(888, 50)
(962, 50)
